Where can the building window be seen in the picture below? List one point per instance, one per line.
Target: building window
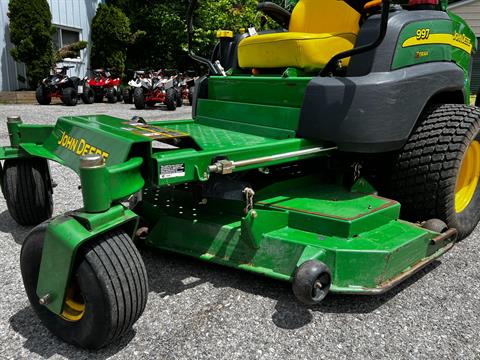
(65, 36)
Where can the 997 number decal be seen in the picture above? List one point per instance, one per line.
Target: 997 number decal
(423, 34)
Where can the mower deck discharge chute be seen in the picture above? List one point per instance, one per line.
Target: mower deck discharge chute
(275, 174)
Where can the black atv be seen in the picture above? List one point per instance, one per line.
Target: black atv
(67, 89)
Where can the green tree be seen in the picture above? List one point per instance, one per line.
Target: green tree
(31, 33)
(110, 37)
(212, 16)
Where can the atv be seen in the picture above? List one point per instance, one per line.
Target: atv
(67, 89)
(136, 81)
(104, 84)
(155, 87)
(187, 86)
(273, 175)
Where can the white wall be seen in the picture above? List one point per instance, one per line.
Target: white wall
(75, 14)
(470, 11)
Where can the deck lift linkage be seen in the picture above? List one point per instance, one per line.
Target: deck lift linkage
(293, 132)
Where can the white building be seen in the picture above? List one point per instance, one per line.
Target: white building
(72, 18)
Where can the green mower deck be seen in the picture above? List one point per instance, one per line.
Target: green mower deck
(357, 235)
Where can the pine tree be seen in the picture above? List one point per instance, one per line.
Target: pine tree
(110, 37)
(31, 33)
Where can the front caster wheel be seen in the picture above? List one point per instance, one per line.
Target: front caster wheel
(107, 291)
(312, 282)
(27, 187)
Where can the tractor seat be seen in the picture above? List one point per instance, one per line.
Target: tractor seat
(318, 30)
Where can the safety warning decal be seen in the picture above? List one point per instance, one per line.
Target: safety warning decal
(172, 171)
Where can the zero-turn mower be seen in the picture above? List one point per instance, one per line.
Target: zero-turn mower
(274, 173)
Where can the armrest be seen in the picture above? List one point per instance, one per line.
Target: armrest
(276, 12)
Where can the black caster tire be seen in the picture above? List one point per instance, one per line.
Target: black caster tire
(139, 98)
(312, 282)
(43, 95)
(171, 99)
(106, 295)
(111, 95)
(88, 96)
(436, 173)
(27, 188)
(70, 96)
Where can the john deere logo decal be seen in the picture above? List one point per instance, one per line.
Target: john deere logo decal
(424, 36)
(80, 146)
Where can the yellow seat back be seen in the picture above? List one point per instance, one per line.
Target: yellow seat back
(324, 16)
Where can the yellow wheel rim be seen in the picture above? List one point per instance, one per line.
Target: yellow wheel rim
(468, 176)
(74, 306)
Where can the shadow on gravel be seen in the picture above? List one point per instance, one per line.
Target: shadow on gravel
(156, 107)
(40, 341)
(171, 274)
(8, 225)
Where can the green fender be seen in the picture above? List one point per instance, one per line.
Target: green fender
(65, 234)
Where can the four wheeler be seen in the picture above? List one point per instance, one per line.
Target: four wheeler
(187, 86)
(155, 87)
(136, 81)
(271, 175)
(104, 84)
(67, 89)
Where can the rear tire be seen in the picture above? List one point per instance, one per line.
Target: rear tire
(109, 282)
(27, 187)
(70, 96)
(88, 97)
(111, 95)
(191, 92)
(170, 99)
(43, 95)
(139, 98)
(119, 95)
(179, 100)
(427, 176)
(127, 96)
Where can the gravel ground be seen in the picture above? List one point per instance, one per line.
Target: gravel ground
(199, 311)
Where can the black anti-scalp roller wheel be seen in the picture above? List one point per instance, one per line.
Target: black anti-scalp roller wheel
(312, 282)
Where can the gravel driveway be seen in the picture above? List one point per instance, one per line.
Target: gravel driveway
(202, 311)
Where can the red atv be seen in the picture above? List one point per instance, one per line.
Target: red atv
(105, 85)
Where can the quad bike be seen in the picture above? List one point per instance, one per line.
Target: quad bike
(136, 81)
(187, 86)
(104, 84)
(155, 87)
(271, 176)
(67, 89)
